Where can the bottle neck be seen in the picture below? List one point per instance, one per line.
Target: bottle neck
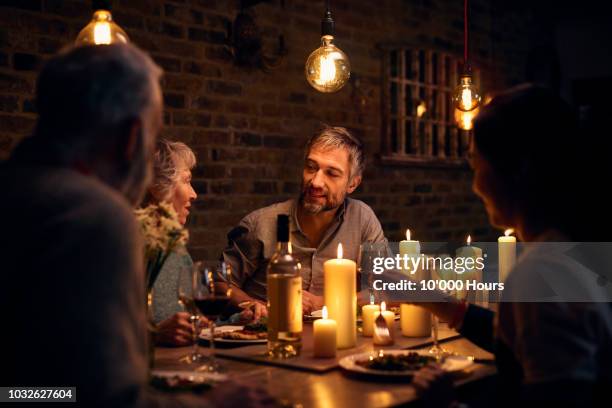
(283, 247)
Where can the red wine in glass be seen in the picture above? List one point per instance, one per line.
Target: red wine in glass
(212, 306)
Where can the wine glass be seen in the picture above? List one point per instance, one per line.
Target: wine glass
(439, 352)
(185, 292)
(211, 299)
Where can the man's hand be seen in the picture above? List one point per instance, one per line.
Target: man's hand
(253, 312)
(311, 302)
(176, 330)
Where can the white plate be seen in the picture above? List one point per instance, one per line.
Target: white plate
(349, 363)
(205, 335)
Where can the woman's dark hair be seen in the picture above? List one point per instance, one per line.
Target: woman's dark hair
(541, 158)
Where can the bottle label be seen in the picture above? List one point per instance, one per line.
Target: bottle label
(285, 297)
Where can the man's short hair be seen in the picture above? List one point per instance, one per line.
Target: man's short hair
(83, 93)
(334, 137)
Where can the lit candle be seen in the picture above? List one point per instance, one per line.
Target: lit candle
(506, 246)
(415, 321)
(367, 316)
(389, 317)
(471, 273)
(325, 336)
(340, 294)
(409, 246)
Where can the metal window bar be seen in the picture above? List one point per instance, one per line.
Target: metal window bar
(412, 76)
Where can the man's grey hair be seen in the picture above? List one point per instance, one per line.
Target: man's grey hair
(169, 160)
(334, 137)
(85, 95)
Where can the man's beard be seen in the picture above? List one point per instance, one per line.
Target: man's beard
(314, 208)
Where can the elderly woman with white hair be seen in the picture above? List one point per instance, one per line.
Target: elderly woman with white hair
(172, 166)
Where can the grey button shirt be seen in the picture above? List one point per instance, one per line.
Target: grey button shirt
(252, 243)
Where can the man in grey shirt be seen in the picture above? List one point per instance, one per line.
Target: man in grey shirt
(73, 280)
(321, 218)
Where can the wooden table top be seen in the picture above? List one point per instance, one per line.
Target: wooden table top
(330, 389)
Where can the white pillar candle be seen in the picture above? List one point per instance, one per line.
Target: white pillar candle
(415, 321)
(472, 273)
(325, 336)
(506, 246)
(340, 296)
(389, 317)
(409, 246)
(367, 318)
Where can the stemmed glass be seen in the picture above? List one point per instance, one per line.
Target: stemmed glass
(185, 289)
(211, 299)
(438, 351)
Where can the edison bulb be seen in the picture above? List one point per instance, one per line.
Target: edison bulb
(101, 30)
(327, 68)
(465, 119)
(466, 96)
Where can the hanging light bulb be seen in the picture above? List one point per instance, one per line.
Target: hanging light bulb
(327, 68)
(465, 119)
(101, 29)
(466, 96)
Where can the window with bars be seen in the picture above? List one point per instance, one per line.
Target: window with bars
(418, 117)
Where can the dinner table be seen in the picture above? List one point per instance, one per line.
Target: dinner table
(306, 381)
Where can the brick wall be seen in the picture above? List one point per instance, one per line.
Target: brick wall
(247, 126)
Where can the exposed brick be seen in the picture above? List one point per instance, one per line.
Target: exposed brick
(25, 62)
(33, 5)
(205, 70)
(174, 100)
(280, 141)
(29, 106)
(16, 124)
(296, 97)
(210, 171)
(265, 187)
(70, 9)
(168, 64)
(9, 103)
(3, 59)
(49, 45)
(422, 188)
(208, 36)
(224, 88)
(191, 119)
(248, 139)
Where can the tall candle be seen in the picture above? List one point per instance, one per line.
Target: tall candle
(340, 294)
(414, 320)
(409, 246)
(389, 317)
(325, 336)
(506, 246)
(367, 317)
(472, 273)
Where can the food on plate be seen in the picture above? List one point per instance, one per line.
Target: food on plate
(397, 362)
(252, 331)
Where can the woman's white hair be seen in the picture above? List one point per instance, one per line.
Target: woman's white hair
(169, 160)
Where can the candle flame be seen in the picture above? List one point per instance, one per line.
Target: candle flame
(469, 240)
(340, 251)
(324, 312)
(381, 353)
(383, 306)
(508, 232)
(408, 235)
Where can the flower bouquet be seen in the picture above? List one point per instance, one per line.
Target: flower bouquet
(162, 233)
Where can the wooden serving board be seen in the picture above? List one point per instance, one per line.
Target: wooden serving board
(306, 360)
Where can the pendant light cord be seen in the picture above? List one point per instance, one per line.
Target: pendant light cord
(465, 34)
(327, 6)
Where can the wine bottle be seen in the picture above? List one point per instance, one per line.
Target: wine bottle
(284, 297)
